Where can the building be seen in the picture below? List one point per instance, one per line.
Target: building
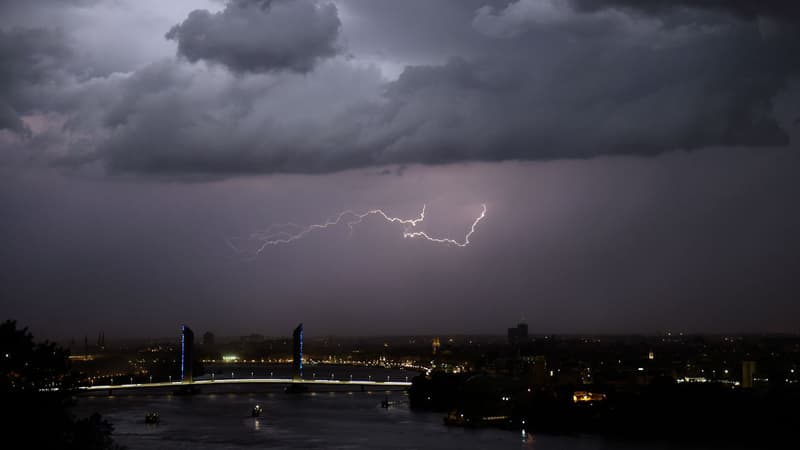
(539, 370)
(518, 335)
(748, 373)
(208, 338)
(187, 353)
(435, 344)
(297, 353)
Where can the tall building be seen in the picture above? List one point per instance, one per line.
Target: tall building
(297, 352)
(518, 334)
(748, 372)
(539, 370)
(208, 338)
(435, 344)
(187, 353)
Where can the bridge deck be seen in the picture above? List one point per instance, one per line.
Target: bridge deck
(366, 383)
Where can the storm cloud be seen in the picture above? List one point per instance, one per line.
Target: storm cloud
(28, 57)
(296, 87)
(786, 10)
(260, 35)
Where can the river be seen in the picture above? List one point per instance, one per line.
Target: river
(316, 420)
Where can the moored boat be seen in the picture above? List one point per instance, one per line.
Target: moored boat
(152, 417)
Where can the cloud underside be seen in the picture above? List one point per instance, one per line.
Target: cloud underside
(783, 9)
(264, 87)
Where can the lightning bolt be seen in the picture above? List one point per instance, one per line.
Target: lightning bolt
(289, 232)
(422, 234)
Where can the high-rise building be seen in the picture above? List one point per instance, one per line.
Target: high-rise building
(518, 334)
(208, 338)
(435, 344)
(539, 370)
(297, 352)
(748, 372)
(187, 353)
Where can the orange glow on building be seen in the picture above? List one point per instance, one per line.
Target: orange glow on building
(586, 396)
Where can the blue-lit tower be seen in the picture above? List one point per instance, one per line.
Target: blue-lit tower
(297, 352)
(187, 353)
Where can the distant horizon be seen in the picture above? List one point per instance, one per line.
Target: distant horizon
(92, 338)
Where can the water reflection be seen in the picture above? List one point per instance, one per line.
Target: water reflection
(321, 420)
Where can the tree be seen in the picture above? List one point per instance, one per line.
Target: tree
(36, 386)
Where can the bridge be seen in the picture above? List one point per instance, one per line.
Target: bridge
(187, 381)
(253, 381)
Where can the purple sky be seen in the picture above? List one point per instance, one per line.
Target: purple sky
(638, 163)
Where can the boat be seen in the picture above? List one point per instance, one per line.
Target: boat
(152, 417)
(257, 410)
(458, 418)
(455, 418)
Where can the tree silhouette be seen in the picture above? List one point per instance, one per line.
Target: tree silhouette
(36, 387)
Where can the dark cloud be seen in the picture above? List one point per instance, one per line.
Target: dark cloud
(600, 100)
(28, 57)
(786, 10)
(713, 90)
(537, 81)
(168, 119)
(260, 35)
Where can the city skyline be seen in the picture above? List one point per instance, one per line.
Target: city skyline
(614, 167)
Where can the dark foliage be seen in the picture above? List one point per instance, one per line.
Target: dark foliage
(36, 387)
